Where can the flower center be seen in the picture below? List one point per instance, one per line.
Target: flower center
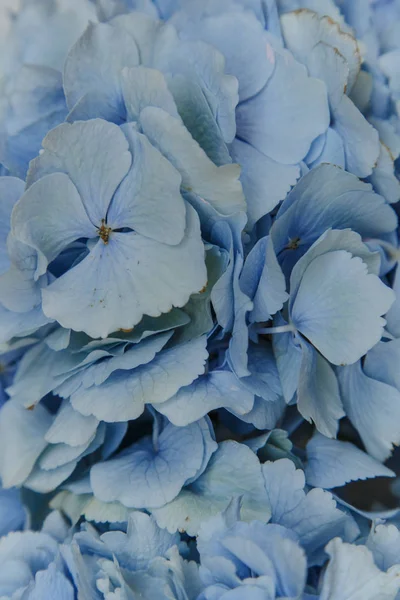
(293, 244)
(104, 231)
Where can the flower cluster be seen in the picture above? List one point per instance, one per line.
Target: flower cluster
(200, 300)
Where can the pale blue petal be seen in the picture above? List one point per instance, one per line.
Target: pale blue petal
(283, 125)
(51, 583)
(319, 42)
(142, 277)
(361, 140)
(49, 222)
(328, 197)
(11, 189)
(149, 199)
(384, 543)
(381, 363)
(95, 63)
(238, 344)
(333, 151)
(22, 441)
(108, 9)
(71, 427)
(264, 414)
(95, 156)
(241, 39)
(44, 481)
(373, 407)
(196, 114)
(153, 383)
(333, 463)
(263, 281)
(234, 470)
(200, 68)
(218, 389)
(143, 541)
(264, 379)
(384, 178)
(34, 103)
(344, 319)
(13, 515)
(265, 181)
(13, 324)
(351, 565)
(288, 355)
(147, 476)
(393, 316)
(318, 397)
(219, 186)
(314, 516)
(143, 87)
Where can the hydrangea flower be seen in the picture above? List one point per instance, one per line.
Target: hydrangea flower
(32, 98)
(199, 300)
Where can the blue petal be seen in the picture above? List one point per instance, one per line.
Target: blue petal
(147, 475)
(35, 105)
(316, 42)
(70, 427)
(219, 186)
(312, 516)
(11, 189)
(95, 156)
(347, 303)
(143, 541)
(384, 543)
(241, 40)
(95, 62)
(50, 226)
(155, 383)
(349, 565)
(13, 515)
(137, 203)
(233, 471)
(22, 441)
(159, 277)
(51, 583)
(373, 407)
(263, 281)
(333, 463)
(218, 389)
(265, 181)
(328, 197)
(318, 397)
(280, 125)
(361, 140)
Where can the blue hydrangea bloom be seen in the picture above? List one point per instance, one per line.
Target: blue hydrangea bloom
(199, 300)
